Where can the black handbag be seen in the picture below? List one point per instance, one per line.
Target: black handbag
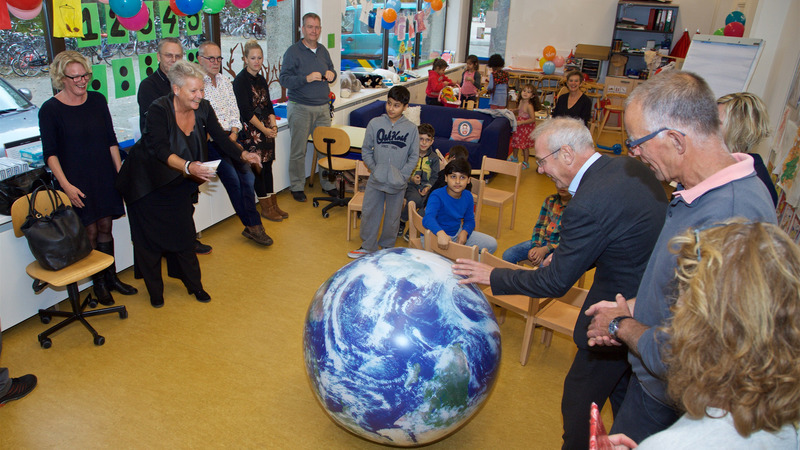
(19, 186)
(56, 240)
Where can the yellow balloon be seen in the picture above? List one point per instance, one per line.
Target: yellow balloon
(542, 60)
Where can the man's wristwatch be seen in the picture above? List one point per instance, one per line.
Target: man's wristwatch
(613, 326)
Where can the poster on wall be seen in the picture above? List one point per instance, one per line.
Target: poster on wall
(785, 161)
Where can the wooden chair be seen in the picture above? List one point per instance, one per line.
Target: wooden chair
(356, 203)
(331, 142)
(477, 190)
(415, 228)
(550, 85)
(523, 305)
(68, 276)
(613, 103)
(453, 251)
(498, 197)
(561, 314)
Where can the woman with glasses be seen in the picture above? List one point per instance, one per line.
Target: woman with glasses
(81, 149)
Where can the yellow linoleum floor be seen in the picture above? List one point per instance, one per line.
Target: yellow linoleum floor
(230, 373)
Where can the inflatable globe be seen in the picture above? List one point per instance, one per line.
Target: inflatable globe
(397, 351)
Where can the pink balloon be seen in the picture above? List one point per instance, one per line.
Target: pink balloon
(136, 22)
(25, 15)
(105, 2)
(241, 3)
(558, 61)
(734, 29)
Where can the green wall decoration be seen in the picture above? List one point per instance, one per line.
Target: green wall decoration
(99, 81)
(124, 80)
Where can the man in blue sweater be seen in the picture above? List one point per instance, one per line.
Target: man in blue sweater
(306, 72)
(675, 122)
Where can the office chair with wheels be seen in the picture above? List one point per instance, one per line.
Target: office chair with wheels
(333, 141)
(68, 276)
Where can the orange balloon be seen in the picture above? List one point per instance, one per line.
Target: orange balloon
(436, 5)
(389, 15)
(549, 53)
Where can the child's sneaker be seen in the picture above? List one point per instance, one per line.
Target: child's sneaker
(355, 254)
(401, 229)
(512, 158)
(525, 164)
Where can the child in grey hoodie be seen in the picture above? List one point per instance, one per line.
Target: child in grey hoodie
(390, 152)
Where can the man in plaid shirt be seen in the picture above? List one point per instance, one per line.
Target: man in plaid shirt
(546, 232)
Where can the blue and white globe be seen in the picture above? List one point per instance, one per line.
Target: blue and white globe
(397, 351)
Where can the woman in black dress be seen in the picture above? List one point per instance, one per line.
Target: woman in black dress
(575, 103)
(81, 150)
(259, 126)
(161, 175)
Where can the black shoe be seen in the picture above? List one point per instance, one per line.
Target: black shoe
(20, 387)
(401, 229)
(333, 193)
(157, 302)
(300, 196)
(200, 248)
(112, 281)
(202, 296)
(101, 289)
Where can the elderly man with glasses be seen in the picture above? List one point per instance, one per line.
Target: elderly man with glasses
(611, 223)
(676, 118)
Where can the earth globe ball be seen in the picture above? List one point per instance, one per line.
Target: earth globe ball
(397, 351)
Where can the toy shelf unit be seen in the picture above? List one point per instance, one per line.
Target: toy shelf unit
(641, 26)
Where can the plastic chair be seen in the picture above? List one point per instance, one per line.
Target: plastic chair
(356, 203)
(498, 197)
(523, 305)
(68, 276)
(333, 141)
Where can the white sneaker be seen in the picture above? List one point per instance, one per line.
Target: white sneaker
(355, 254)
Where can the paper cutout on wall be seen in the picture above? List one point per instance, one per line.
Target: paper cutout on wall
(411, 28)
(67, 18)
(400, 28)
(148, 33)
(378, 21)
(5, 19)
(99, 82)
(420, 19)
(169, 21)
(148, 64)
(124, 81)
(194, 24)
(366, 7)
(191, 55)
(117, 34)
(91, 25)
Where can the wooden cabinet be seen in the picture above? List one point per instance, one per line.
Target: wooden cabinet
(639, 26)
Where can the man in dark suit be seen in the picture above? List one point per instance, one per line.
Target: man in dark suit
(611, 223)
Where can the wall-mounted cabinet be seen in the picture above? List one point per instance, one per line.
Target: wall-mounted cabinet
(641, 26)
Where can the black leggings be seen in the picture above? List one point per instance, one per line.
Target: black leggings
(263, 181)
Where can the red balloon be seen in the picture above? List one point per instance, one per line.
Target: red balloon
(175, 8)
(25, 15)
(734, 29)
(24, 5)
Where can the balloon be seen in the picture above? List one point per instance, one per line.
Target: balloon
(189, 7)
(241, 3)
(136, 22)
(125, 8)
(213, 6)
(174, 7)
(548, 68)
(541, 62)
(24, 5)
(558, 61)
(549, 53)
(25, 15)
(389, 15)
(105, 2)
(386, 25)
(719, 31)
(392, 4)
(734, 29)
(436, 5)
(735, 16)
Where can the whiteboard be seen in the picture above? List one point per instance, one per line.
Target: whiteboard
(726, 63)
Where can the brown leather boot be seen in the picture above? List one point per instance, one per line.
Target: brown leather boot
(257, 233)
(268, 210)
(274, 199)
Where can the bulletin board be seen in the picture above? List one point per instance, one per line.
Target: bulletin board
(726, 63)
(784, 161)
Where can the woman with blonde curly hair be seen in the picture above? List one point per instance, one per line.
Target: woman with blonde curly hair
(745, 123)
(734, 340)
(81, 149)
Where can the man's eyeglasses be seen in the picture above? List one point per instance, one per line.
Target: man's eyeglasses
(541, 162)
(85, 76)
(637, 142)
(213, 58)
